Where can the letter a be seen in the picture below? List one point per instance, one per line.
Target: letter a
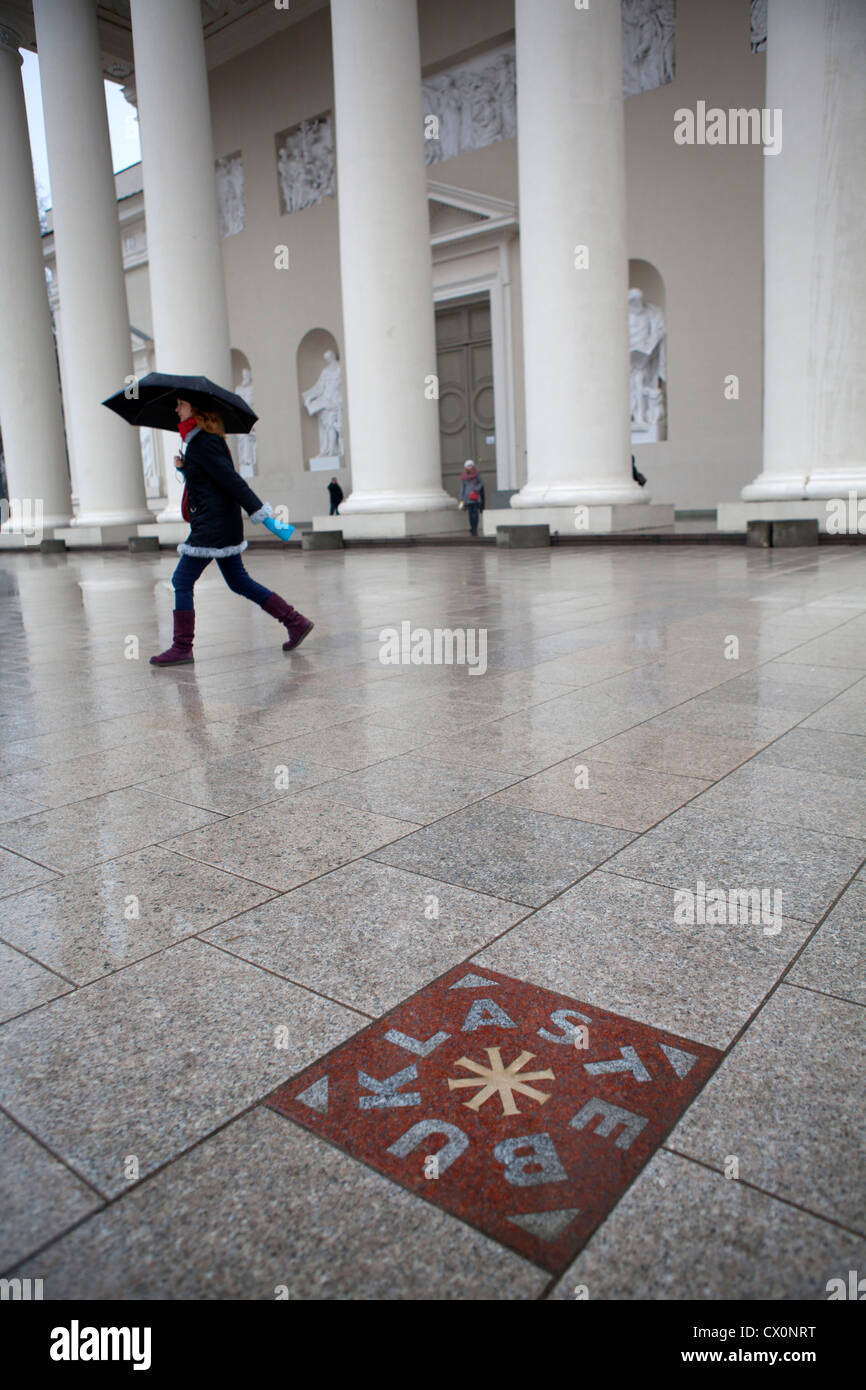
(483, 1014)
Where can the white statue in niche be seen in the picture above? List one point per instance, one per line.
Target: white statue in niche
(152, 475)
(305, 164)
(246, 443)
(648, 37)
(230, 194)
(325, 399)
(648, 368)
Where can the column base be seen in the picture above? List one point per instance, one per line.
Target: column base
(393, 525)
(605, 492)
(436, 500)
(583, 520)
(166, 532)
(844, 513)
(92, 537)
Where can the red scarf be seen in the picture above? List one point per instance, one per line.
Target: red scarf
(186, 427)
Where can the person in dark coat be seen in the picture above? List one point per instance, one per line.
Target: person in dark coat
(336, 496)
(212, 499)
(472, 494)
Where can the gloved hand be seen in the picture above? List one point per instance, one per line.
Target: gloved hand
(280, 529)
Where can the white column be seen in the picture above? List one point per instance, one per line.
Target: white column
(814, 263)
(387, 280)
(97, 354)
(30, 413)
(571, 160)
(187, 289)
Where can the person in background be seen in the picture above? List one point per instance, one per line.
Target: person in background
(336, 493)
(638, 476)
(472, 494)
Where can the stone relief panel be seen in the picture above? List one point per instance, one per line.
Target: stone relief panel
(230, 194)
(470, 105)
(648, 39)
(759, 26)
(305, 164)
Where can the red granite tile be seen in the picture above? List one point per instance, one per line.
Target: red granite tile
(534, 1168)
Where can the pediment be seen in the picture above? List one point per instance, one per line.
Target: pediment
(459, 212)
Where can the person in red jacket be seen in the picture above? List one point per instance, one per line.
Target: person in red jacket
(212, 500)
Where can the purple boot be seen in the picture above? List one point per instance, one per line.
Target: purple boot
(181, 648)
(297, 626)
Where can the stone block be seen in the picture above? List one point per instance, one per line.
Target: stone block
(52, 547)
(322, 540)
(791, 533)
(523, 537)
(137, 544)
(759, 533)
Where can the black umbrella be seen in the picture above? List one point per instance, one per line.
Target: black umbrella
(151, 400)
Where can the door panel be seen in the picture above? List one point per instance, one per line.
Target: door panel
(466, 405)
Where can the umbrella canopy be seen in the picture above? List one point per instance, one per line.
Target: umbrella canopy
(152, 399)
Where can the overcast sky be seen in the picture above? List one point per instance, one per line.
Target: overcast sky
(122, 125)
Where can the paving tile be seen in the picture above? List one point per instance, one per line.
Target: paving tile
(100, 828)
(415, 789)
(847, 713)
(675, 750)
(807, 869)
(617, 943)
(536, 1162)
(17, 873)
(367, 934)
(24, 983)
(789, 796)
(785, 1103)
(835, 959)
(614, 794)
(524, 856)
(682, 1232)
(834, 649)
(95, 921)
(230, 785)
(818, 750)
(741, 721)
(284, 844)
(39, 1197)
(353, 745)
(12, 805)
(291, 1217)
(203, 1047)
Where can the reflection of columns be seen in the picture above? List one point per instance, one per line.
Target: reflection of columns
(814, 266)
(30, 415)
(571, 160)
(96, 354)
(387, 279)
(187, 290)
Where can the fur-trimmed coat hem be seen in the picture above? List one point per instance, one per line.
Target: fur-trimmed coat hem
(203, 552)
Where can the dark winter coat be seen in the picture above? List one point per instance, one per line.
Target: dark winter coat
(336, 493)
(470, 485)
(215, 495)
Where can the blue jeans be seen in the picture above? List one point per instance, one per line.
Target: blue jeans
(191, 568)
(474, 510)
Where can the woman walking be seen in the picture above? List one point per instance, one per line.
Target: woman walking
(213, 496)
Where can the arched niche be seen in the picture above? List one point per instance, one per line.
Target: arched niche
(310, 363)
(644, 276)
(245, 446)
